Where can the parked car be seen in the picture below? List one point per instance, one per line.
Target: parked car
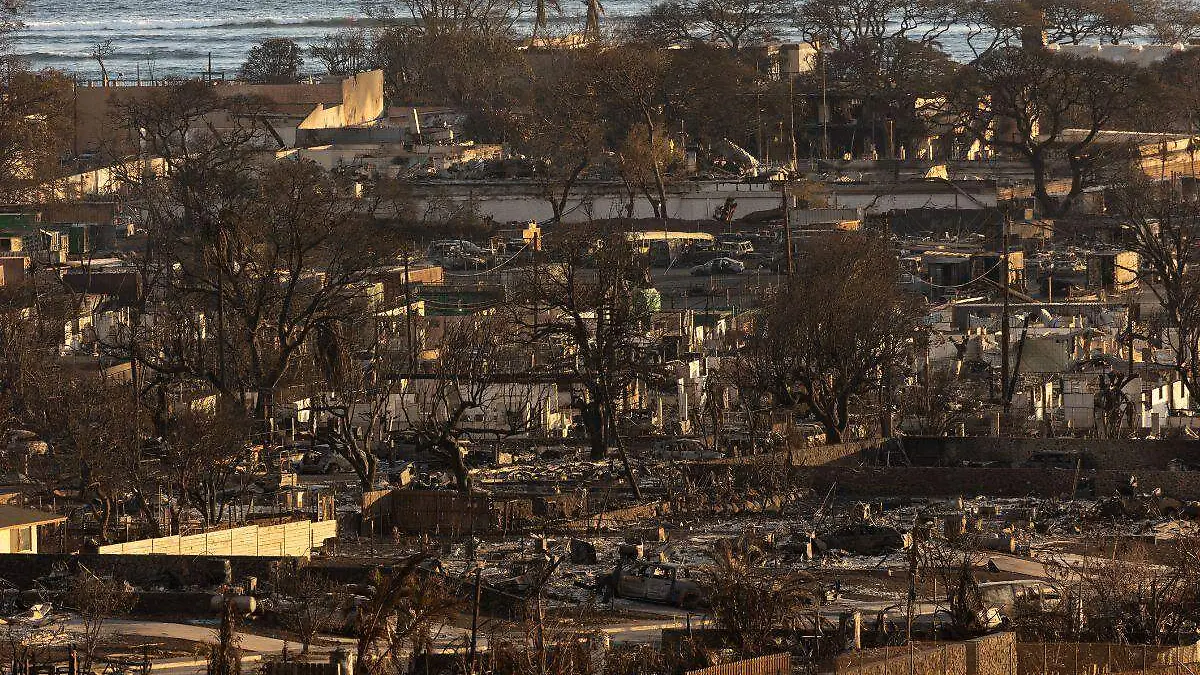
(323, 460)
(683, 449)
(1001, 599)
(747, 443)
(739, 247)
(659, 582)
(463, 261)
(719, 266)
(446, 248)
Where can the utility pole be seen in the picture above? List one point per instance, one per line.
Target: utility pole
(408, 310)
(914, 569)
(1129, 299)
(792, 118)
(885, 393)
(475, 619)
(1005, 394)
(824, 104)
(787, 227)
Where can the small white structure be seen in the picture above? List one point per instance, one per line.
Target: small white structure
(19, 528)
(1142, 55)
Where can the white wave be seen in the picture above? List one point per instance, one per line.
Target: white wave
(155, 23)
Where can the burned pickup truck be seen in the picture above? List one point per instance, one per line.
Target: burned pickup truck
(658, 582)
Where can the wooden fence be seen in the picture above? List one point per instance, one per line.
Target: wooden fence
(945, 659)
(1071, 658)
(296, 539)
(299, 668)
(772, 664)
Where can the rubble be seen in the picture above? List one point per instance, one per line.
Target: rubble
(582, 552)
(867, 539)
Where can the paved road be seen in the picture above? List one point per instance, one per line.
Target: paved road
(181, 631)
(680, 289)
(450, 637)
(1017, 565)
(257, 646)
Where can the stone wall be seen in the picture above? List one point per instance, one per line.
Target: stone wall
(928, 481)
(1070, 658)
(617, 517)
(838, 454)
(1000, 654)
(174, 603)
(920, 659)
(923, 481)
(454, 513)
(165, 571)
(994, 654)
(1183, 485)
(1116, 455)
(989, 655)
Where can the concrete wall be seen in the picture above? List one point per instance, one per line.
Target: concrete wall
(362, 97)
(103, 182)
(521, 202)
(289, 539)
(361, 102)
(692, 200)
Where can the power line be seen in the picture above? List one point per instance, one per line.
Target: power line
(489, 271)
(965, 283)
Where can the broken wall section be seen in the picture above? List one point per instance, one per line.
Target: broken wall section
(454, 513)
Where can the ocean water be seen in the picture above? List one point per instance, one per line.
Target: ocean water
(164, 38)
(154, 39)
(161, 38)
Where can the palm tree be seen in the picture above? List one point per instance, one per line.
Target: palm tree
(594, 10)
(539, 21)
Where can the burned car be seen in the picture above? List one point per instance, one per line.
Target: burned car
(658, 582)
